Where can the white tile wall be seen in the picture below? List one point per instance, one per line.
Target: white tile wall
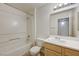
(13, 31)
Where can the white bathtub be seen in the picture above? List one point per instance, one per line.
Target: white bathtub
(14, 45)
(18, 51)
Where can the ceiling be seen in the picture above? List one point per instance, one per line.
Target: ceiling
(26, 7)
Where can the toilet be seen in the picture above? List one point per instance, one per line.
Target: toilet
(35, 50)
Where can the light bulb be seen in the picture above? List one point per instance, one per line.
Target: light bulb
(55, 7)
(60, 4)
(65, 3)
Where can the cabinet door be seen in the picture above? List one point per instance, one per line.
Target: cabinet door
(70, 52)
(52, 47)
(51, 53)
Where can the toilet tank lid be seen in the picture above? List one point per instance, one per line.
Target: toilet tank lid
(35, 49)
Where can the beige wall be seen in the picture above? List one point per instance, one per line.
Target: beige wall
(42, 19)
(76, 21)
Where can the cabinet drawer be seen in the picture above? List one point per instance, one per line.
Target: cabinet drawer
(70, 52)
(51, 53)
(52, 47)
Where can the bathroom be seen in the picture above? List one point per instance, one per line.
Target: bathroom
(39, 29)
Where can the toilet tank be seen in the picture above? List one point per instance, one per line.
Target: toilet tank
(39, 42)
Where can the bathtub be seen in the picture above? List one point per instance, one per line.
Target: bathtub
(14, 45)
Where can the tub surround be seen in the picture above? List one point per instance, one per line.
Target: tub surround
(13, 32)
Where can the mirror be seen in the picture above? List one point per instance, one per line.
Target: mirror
(65, 23)
(63, 26)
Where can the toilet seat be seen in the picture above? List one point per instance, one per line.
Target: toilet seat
(35, 50)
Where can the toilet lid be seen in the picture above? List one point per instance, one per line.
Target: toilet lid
(35, 49)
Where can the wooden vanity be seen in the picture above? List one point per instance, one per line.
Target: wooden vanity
(56, 50)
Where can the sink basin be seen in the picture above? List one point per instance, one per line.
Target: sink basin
(56, 40)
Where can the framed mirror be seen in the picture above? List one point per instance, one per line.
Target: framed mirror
(63, 23)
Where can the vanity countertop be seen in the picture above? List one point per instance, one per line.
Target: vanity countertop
(68, 42)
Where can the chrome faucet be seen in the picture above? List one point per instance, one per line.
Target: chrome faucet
(57, 38)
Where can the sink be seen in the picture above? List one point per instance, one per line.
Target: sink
(56, 39)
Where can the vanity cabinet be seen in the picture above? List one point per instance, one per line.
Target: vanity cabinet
(51, 53)
(51, 50)
(55, 50)
(70, 52)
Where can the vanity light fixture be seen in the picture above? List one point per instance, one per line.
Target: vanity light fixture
(65, 3)
(62, 5)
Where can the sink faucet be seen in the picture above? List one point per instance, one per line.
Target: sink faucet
(57, 38)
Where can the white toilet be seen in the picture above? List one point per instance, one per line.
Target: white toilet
(35, 50)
